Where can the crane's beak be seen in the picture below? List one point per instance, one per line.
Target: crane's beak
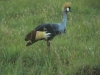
(70, 10)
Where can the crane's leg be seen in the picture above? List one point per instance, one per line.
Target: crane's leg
(48, 45)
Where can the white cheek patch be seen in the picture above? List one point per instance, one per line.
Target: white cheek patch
(67, 9)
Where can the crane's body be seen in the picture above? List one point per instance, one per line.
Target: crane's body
(48, 31)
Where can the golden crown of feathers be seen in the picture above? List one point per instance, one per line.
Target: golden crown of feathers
(66, 5)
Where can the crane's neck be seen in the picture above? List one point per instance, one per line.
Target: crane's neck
(63, 23)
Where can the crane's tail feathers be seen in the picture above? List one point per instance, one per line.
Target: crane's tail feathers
(29, 43)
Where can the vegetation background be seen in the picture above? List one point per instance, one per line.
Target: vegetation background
(75, 53)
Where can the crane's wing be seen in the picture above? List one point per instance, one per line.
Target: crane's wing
(50, 28)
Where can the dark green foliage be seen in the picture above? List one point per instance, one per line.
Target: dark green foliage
(89, 70)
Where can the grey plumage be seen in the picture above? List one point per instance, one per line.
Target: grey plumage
(50, 28)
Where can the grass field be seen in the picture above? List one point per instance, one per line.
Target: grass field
(75, 53)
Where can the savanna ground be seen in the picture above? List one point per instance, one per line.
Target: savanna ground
(75, 53)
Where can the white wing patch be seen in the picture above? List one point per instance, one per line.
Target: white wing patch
(42, 35)
(46, 35)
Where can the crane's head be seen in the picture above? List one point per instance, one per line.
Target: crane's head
(66, 7)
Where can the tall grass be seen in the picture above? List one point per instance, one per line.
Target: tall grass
(75, 53)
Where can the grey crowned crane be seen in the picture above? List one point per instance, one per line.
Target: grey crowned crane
(49, 31)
